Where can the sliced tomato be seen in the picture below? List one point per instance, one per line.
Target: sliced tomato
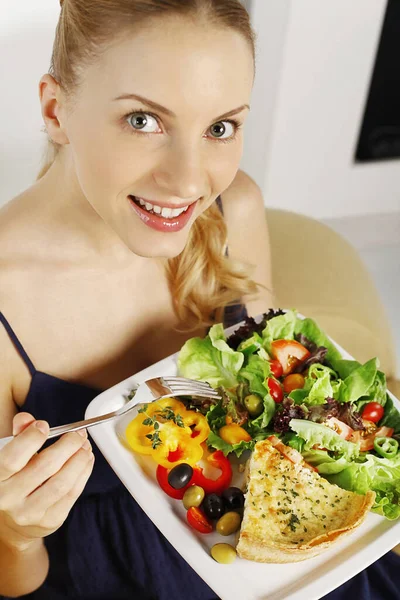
(289, 353)
(276, 368)
(373, 411)
(341, 428)
(275, 389)
(384, 432)
(198, 520)
(291, 453)
(367, 441)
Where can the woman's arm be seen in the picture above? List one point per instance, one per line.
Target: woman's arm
(248, 239)
(23, 569)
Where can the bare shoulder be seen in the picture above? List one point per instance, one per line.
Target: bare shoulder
(242, 198)
(248, 238)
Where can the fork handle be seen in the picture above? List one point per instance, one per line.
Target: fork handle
(61, 429)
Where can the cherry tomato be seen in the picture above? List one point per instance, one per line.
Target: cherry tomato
(233, 434)
(292, 382)
(276, 368)
(198, 520)
(373, 411)
(275, 389)
(289, 353)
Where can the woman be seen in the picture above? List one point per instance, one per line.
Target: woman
(110, 262)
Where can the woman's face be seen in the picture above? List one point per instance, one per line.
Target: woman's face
(155, 130)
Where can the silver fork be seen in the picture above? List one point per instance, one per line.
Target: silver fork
(148, 391)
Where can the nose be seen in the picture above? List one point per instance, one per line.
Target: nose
(182, 172)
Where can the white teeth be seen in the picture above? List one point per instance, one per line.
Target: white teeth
(164, 211)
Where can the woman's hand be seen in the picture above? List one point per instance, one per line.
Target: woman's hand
(37, 490)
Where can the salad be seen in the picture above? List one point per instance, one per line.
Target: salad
(283, 377)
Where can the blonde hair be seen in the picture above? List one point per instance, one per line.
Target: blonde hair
(202, 279)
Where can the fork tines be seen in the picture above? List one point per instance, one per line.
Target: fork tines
(193, 387)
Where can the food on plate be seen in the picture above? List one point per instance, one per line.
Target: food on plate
(319, 435)
(168, 432)
(223, 553)
(281, 375)
(291, 513)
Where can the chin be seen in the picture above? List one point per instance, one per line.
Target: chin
(164, 249)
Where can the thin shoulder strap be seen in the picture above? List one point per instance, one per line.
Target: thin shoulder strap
(17, 344)
(219, 204)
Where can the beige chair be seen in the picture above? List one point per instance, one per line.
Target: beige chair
(320, 274)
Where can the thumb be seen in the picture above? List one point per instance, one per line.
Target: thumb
(21, 421)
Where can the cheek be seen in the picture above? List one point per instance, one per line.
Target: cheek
(105, 159)
(225, 165)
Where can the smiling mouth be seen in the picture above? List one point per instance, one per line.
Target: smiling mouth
(162, 211)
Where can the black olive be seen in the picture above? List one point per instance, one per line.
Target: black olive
(213, 506)
(180, 476)
(233, 498)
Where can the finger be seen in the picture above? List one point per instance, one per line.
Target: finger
(21, 422)
(47, 463)
(61, 484)
(17, 453)
(57, 513)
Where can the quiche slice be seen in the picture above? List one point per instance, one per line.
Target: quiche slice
(291, 513)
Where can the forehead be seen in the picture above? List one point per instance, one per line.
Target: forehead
(183, 65)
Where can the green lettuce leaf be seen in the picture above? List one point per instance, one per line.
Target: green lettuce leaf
(391, 417)
(324, 463)
(320, 435)
(210, 359)
(279, 328)
(218, 443)
(216, 416)
(381, 475)
(359, 381)
(310, 329)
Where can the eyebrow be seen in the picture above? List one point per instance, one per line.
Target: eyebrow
(167, 111)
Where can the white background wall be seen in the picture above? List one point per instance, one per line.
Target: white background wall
(316, 58)
(314, 64)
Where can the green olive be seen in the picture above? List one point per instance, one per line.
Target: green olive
(193, 496)
(228, 523)
(254, 405)
(223, 553)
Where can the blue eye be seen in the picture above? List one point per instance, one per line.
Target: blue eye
(222, 130)
(143, 122)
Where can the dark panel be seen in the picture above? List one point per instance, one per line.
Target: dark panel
(380, 130)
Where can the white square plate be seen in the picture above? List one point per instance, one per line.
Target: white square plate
(309, 579)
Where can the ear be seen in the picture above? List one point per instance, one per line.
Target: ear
(51, 100)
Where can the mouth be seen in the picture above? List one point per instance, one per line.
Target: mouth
(162, 218)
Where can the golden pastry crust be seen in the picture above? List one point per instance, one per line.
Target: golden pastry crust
(291, 513)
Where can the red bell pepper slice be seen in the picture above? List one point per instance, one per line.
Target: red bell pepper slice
(217, 486)
(162, 478)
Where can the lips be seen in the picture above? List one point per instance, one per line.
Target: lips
(170, 222)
